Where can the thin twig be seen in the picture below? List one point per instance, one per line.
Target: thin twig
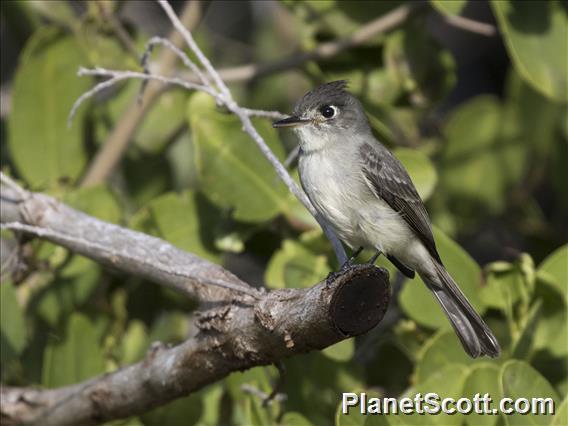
(115, 76)
(292, 157)
(176, 51)
(470, 25)
(186, 34)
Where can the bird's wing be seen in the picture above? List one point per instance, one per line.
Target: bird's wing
(390, 182)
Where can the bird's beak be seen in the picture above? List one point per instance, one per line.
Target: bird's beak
(292, 121)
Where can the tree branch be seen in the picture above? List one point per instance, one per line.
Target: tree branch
(118, 248)
(240, 328)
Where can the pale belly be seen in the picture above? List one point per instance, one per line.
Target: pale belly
(359, 217)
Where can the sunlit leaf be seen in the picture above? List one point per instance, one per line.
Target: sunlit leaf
(43, 148)
(293, 418)
(186, 411)
(449, 7)
(341, 351)
(419, 64)
(96, 201)
(77, 355)
(482, 156)
(186, 220)
(561, 416)
(538, 31)
(482, 380)
(295, 266)
(134, 343)
(440, 350)
(554, 269)
(519, 380)
(232, 171)
(13, 333)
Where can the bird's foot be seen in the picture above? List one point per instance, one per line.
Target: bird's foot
(373, 259)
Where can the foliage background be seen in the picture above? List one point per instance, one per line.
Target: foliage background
(480, 122)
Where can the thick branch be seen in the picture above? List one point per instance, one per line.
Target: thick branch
(243, 329)
(119, 248)
(232, 337)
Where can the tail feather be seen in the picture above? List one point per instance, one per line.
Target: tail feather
(475, 336)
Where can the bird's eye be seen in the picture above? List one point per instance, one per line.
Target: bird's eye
(328, 111)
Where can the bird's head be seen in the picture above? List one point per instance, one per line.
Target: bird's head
(327, 112)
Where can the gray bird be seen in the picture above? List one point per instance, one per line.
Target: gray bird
(366, 195)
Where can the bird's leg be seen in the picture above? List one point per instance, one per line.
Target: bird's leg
(375, 257)
(346, 265)
(349, 262)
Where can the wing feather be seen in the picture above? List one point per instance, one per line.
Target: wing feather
(390, 182)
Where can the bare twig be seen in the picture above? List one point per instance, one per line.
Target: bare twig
(470, 25)
(188, 38)
(116, 76)
(176, 51)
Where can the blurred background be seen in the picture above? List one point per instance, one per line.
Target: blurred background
(470, 95)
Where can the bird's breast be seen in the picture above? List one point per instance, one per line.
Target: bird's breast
(331, 184)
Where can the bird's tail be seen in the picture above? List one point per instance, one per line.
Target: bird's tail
(475, 336)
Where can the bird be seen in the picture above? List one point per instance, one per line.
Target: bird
(363, 191)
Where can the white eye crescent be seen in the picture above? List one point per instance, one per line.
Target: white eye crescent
(328, 111)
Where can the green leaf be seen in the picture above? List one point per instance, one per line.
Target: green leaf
(482, 156)
(449, 7)
(342, 351)
(134, 343)
(96, 201)
(294, 265)
(483, 379)
(525, 342)
(503, 289)
(183, 411)
(419, 64)
(170, 327)
(58, 11)
(12, 325)
(447, 382)
(532, 31)
(519, 380)
(72, 288)
(232, 171)
(554, 269)
(43, 148)
(159, 125)
(561, 416)
(188, 221)
(420, 169)
(440, 350)
(417, 301)
(293, 418)
(75, 358)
